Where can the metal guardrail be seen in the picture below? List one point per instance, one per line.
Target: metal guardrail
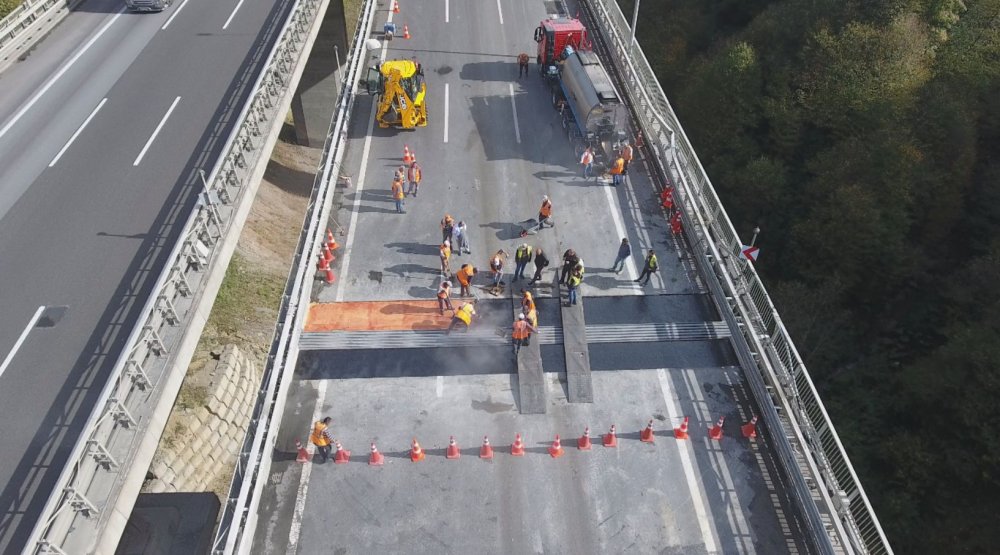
(81, 502)
(235, 533)
(21, 19)
(824, 482)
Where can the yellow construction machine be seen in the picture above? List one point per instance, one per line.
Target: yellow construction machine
(400, 84)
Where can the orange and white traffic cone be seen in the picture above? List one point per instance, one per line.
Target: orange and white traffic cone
(611, 438)
(331, 242)
(517, 448)
(302, 456)
(453, 452)
(342, 456)
(750, 428)
(646, 436)
(682, 432)
(395, 6)
(715, 432)
(407, 156)
(486, 451)
(583, 443)
(416, 453)
(324, 266)
(376, 458)
(556, 450)
(406, 31)
(327, 253)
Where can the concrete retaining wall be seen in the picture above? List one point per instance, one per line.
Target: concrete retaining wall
(215, 430)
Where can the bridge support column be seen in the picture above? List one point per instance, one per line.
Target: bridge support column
(316, 98)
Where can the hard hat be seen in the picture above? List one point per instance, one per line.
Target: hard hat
(545, 197)
(520, 316)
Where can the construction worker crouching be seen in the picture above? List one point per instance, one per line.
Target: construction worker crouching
(463, 315)
(320, 437)
(521, 333)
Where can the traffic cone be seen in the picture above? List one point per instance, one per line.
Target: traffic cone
(331, 242)
(406, 31)
(453, 452)
(416, 453)
(395, 6)
(682, 432)
(407, 156)
(486, 451)
(583, 443)
(323, 264)
(327, 253)
(303, 455)
(342, 456)
(610, 438)
(750, 428)
(556, 450)
(517, 448)
(376, 458)
(715, 432)
(329, 277)
(646, 436)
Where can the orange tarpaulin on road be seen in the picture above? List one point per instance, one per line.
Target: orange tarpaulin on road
(377, 316)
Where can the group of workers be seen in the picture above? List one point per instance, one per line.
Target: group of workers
(624, 155)
(405, 181)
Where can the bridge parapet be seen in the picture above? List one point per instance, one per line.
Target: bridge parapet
(825, 484)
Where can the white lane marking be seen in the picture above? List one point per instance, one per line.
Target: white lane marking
(439, 389)
(673, 416)
(156, 132)
(300, 498)
(173, 15)
(446, 11)
(513, 105)
(48, 85)
(232, 15)
(76, 133)
(20, 340)
(353, 225)
(446, 112)
(499, 11)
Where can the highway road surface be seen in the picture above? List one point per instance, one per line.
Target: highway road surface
(102, 128)
(386, 373)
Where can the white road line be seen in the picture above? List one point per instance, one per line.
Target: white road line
(156, 132)
(513, 105)
(353, 225)
(446, 112)
(300, 498)
(439, 389)
(48, 85)
(674, 417)
(20, 340)
(446, 11)
(77, 133)
(232, 15)
(499, 11)
(173, 15)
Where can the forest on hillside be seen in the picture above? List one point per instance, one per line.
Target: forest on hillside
(863, 137)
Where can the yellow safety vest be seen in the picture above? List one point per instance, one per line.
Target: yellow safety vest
(318, 438)
(465, 313)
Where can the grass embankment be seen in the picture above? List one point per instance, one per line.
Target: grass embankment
(7, 6)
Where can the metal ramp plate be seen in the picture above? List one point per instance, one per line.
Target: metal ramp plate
(578, 382)
(530, 379)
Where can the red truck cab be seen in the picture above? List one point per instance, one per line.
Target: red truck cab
(553, 35)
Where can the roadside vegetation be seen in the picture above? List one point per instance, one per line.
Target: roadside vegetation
(862, 137)
(7, 6)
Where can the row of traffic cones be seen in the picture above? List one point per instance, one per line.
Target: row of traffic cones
(610, 439)
(326, 258)
(395, 9)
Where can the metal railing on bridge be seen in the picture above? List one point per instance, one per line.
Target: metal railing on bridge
(829, 491)
(83, 499)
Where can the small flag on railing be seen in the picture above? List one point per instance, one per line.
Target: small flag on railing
(750, 253)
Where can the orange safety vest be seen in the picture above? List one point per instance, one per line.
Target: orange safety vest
(465, 313)
(522, 58)
(546, 209)
(414, 174)
(317, 437)
(520, 330)
(587, 157)
(397, 190)
(465, 275)
(442, 293)
(619, 166)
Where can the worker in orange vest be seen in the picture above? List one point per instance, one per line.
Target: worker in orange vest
(522, 64)
(397, 193)
(447, 226)
(521, 334)
(463, 315)
(413, 175)
(617, 171)
(545, 213)
(445, 253)
(321, 438)
(527, 302)
(587, 161)
(627, 154)
(464, 276)
(444, 298)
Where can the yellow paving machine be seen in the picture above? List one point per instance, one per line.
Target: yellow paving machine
(400, 89)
